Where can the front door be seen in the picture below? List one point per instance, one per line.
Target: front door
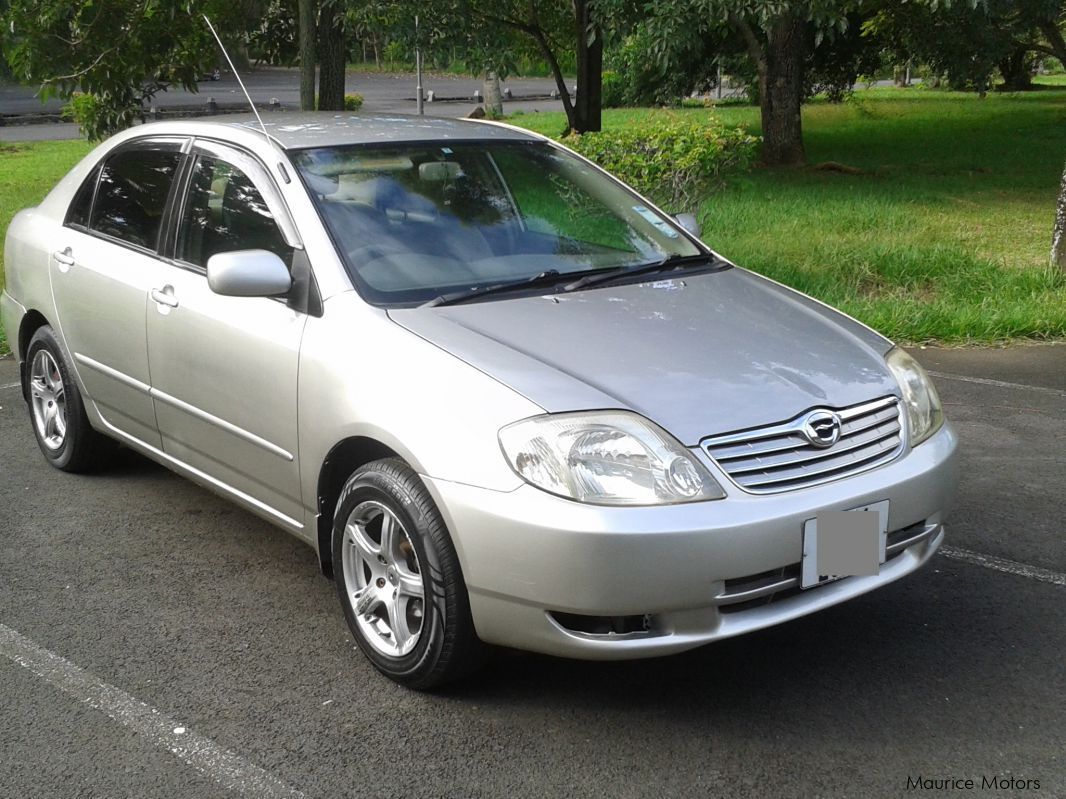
(224, 369)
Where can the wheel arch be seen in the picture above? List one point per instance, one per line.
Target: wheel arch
(32, 321)
(344, 458)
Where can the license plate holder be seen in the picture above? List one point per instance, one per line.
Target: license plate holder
(809, 571)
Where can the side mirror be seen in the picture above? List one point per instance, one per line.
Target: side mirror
(690, 223)
(248, 273)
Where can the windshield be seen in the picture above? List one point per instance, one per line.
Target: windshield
(416, 221)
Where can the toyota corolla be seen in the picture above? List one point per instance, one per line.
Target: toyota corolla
(506, 399)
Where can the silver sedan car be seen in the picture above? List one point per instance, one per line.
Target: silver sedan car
(506, 399)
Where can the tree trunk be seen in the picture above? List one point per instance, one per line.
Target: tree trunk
(332, 58)
(564, 94)
(308, 57)
(1055, 39)
(493, 96)
(1058, 239)
(1015, 71)
(587, 115)
(781, 92)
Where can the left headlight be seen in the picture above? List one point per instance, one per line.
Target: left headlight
(922, 403)
(606, 458)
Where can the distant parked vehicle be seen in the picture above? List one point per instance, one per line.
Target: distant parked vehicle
(506, 399)
(214, 74)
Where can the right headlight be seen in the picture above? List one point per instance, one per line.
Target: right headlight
(920, 400)
(606, 458)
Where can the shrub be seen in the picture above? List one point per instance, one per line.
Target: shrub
(674, 160)
(353, 102)
(613, 92)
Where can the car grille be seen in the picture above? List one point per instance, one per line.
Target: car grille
(781, 457)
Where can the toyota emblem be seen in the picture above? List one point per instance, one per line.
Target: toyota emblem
(821, 428)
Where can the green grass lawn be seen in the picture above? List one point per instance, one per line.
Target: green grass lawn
(943, 236)
(28, 171)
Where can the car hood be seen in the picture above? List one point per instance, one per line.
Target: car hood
(699, 355)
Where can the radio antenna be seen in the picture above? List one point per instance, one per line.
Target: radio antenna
(237, 75)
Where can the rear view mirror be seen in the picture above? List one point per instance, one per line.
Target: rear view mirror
(248, 273)
(690, 223)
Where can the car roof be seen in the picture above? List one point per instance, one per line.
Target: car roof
(323, 128)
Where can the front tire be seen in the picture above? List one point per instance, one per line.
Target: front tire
(57, 410)
(399, 580)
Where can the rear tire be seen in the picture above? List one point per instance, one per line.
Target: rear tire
(399, 580)
(57, 411)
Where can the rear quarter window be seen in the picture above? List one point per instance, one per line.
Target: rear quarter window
(81, 205)
(132, 194)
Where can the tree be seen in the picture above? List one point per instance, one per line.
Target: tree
(332, 56)
(323, 53)
(968, 41)
(1058, 238)
(778, 36)
(120, 53)
(489, 37)
(307, 33)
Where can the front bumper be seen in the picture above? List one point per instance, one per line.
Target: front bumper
(696, 573)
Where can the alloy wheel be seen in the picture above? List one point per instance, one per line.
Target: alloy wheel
(48, 398)
(383, 579)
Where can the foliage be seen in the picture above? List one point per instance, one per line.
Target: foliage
(614, 90)
(966, 41)
(684, 67)
(676, 160)
(274, 40)
(85, 109)
(834, 63)
(121, 52)
(353, 102)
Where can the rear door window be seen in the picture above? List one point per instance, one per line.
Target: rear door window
(133, 191)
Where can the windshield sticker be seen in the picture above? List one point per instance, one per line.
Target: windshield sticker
(659, 223)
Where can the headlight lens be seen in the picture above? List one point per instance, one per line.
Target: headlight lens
(922, 404)
(606, 458)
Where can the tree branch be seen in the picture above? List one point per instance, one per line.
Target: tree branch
(755, 48)
(82, 72)
(1055, 39)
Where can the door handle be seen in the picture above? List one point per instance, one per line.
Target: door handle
(165, 296)
(65, 259)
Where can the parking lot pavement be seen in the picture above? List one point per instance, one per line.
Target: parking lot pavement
(141, 585)
(386, 93)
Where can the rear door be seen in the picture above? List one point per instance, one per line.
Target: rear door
(103, 266)
(224, 369)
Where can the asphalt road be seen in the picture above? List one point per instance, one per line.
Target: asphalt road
(138, 587)
(382, 93)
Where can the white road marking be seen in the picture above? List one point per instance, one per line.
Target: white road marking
(985, 381)
(1004, 565)
(9, 385)
(203, 754)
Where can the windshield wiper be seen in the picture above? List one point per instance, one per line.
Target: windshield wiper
(554, 276)
(548, 277)
(668, 264)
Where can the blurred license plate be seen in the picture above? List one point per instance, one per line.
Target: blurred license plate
(846, 546)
